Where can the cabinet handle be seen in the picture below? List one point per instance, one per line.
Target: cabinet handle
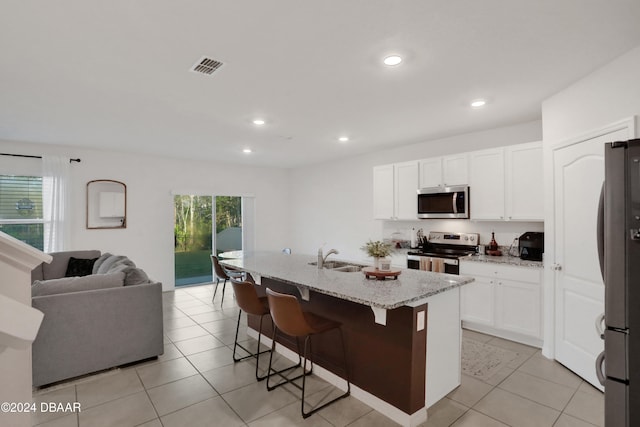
(501, 217)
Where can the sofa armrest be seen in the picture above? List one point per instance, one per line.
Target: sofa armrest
(87, 331)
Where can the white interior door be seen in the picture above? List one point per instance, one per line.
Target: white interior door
(579, 289)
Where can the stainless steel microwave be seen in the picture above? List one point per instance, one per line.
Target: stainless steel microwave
(444, 202)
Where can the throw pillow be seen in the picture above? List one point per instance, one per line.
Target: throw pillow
(76, 284)
(79, 267)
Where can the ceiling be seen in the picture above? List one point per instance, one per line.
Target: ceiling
(115, 74)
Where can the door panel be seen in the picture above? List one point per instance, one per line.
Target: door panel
(579, 290)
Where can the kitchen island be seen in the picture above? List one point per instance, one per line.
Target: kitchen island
(403, 336)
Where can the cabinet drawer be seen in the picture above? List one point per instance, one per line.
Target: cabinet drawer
(506, 272)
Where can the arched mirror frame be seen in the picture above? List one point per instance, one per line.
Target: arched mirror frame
(106, 204)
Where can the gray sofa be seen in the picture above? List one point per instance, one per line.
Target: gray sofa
(94, 322)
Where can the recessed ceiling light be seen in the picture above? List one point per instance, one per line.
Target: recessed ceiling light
(392, 60)
(343, 139)
(478, 103)
(258, 122)
(247, 150)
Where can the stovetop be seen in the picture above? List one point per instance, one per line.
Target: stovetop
(448, 245)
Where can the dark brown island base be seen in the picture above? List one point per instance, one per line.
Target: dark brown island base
(402, 336)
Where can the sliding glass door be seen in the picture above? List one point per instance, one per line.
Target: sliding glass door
(194, 237)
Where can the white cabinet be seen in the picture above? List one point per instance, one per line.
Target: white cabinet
(503, 300)
(524, 182)
(506, 183)
(486, 184)
(395, 191)
(444, 171)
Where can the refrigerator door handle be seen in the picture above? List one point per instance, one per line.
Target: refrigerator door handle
(600, 325)
(600, 230)
(600, 368)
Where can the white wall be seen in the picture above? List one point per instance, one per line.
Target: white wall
(333, 202)
(606, 96)
(148, 239)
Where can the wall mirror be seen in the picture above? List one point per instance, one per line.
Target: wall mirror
(106, 204)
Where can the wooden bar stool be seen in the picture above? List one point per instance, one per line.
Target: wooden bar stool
(289, 318)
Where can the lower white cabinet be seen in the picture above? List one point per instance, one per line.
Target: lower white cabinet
(504, 300)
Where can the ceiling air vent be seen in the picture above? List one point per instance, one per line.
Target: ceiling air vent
(206, 66)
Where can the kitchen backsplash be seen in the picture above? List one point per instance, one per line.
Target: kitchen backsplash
(504, 231)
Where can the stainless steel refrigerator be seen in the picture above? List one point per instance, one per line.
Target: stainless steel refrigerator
(618, 367)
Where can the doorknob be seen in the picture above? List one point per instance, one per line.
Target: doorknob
(556, 267)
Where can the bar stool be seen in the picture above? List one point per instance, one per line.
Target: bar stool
(248, 300)
(289, 318)
(222, 274)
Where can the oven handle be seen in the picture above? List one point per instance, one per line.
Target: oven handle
(445, 260)
(455, 205)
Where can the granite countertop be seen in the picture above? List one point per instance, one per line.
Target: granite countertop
(504, 259)
(411, 285)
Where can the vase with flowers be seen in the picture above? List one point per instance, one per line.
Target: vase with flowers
(378, 250)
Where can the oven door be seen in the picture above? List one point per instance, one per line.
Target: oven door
(435, 264)
(447, 202)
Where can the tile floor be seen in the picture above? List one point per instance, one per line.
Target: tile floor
(195, 383)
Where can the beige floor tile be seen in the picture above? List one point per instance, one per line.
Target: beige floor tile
(170, 352)
(70, 420)
(231, 377)
(499, 376)
(225, 325)
(210, 413)
(550, 370)
(471, 390)
(569, 421)
(198, 344)
(538, 389)
(153, 423)
(186, 333)
(211, 316)
(198, 309)
(180, 394)
(477, 336)
(65, 394)
(165, 372)
(516, 411)
(126, 411)
(475, 419)
(107, 388)
(374, 419)
(588, 388)
(183, 305)
(229, 337)
(344, 411)
(289, 416)
(211, 359)
(254, 401)
(587, 407)
(444, 413)
(177, 323)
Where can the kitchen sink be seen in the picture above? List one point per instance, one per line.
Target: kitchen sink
(345, 267)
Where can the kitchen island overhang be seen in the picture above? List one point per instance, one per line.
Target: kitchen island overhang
(399, 366)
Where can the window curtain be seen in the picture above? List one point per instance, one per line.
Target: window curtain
(55, 202)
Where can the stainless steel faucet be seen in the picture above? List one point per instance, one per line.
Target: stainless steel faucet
(323, 259)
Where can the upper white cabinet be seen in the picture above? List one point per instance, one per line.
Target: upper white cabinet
(444, 171)
(395, 191)
(506, 183)
(524, 186)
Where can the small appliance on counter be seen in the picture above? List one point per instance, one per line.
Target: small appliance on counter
(531, 245)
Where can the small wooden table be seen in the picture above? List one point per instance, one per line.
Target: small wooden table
(372, 272)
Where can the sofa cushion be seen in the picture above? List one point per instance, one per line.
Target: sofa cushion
(76, 284)
(78, 267)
